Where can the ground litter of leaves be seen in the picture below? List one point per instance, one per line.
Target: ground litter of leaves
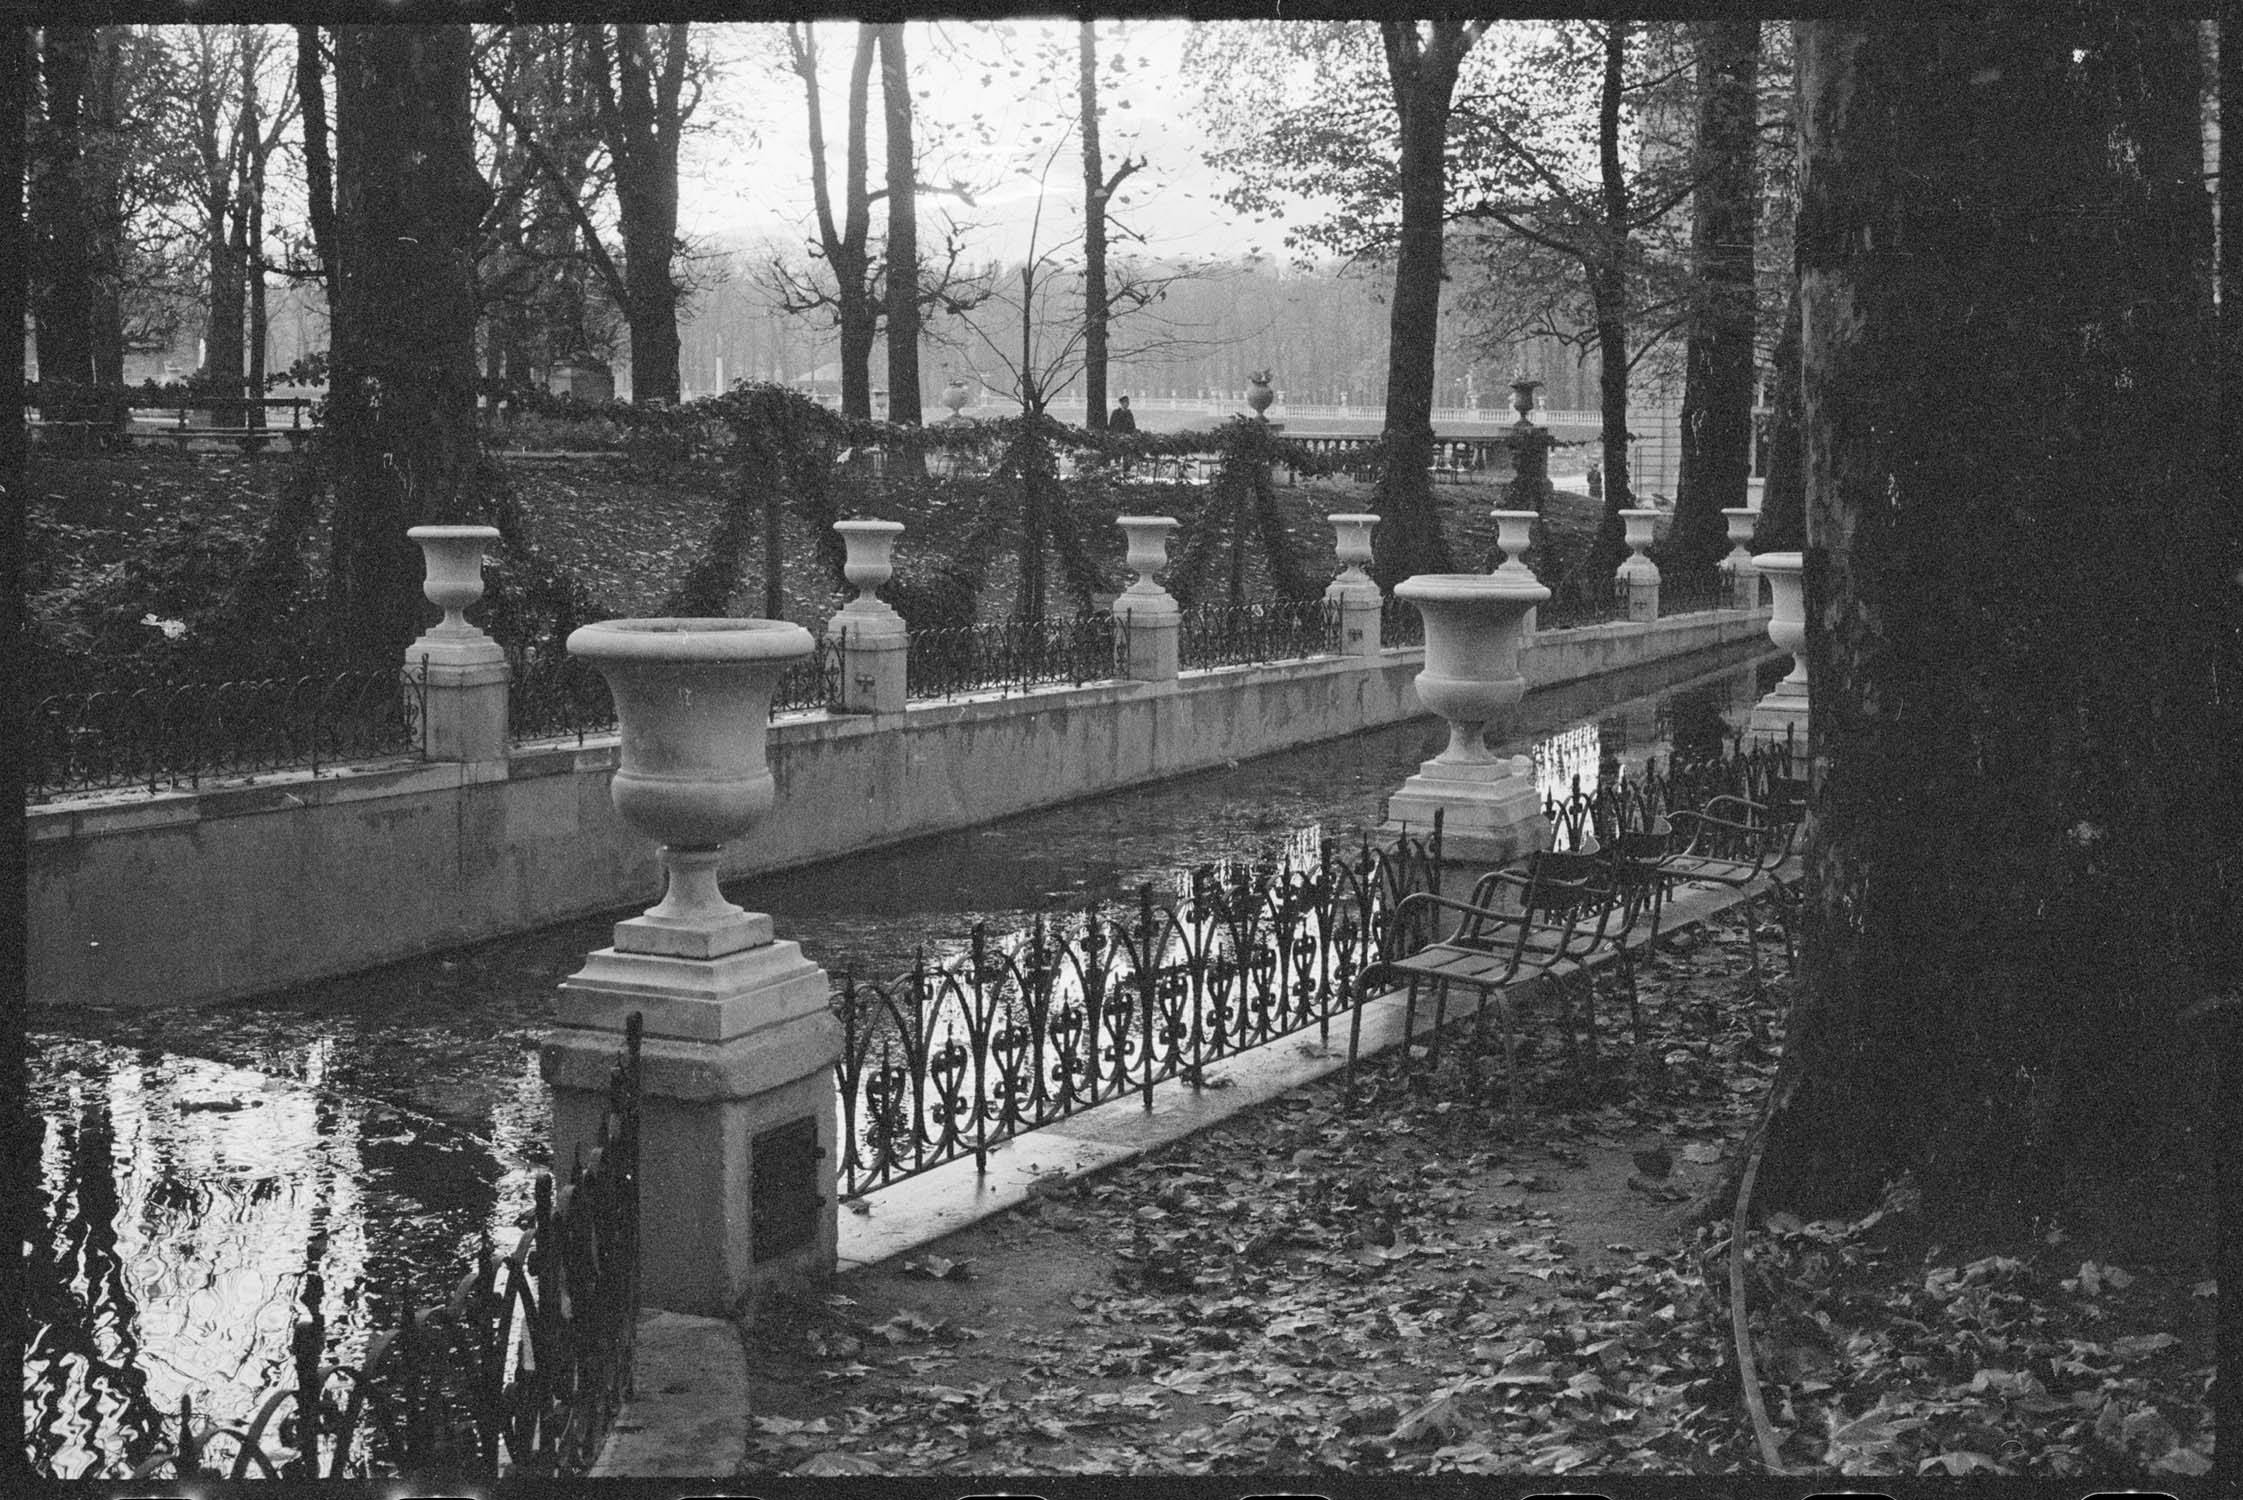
(1425, 1283)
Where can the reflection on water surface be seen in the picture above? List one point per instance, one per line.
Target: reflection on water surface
(197, 1164)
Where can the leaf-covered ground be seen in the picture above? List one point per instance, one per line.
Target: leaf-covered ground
(1423, 1284)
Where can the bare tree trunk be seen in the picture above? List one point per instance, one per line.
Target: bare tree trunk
(1423, 72)
(1608, 291)
(1094, 235)
(319, 166)
(1783, 499)
(402, 403)
(904, 398)
(1718, 357)
(62, 301)
(2019, 612)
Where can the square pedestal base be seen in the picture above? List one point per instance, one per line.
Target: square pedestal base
(1490, 812)
(1783, 709)
(737, 1115)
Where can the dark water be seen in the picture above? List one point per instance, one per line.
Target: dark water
(197, 1163)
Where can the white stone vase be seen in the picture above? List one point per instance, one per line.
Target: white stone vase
(452, 557)
(1784, 711)
(1787, 626)
(1514, 531)
(1642, 530)
(871, 559)
(1260, 396)
(1352, 542)
(1148, 550)
(1471, 671)
(1744, 583)
(692, 700)
(957, 397)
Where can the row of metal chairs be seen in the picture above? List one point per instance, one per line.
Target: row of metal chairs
(1556, 915)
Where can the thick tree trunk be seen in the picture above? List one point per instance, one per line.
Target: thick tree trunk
(1783, 497)
(62, 277)
(2019, 590)
(1094, 232)
(904, 399)
(1410, 541)
(402, 403)
(639, 110)
(1608, 293)
(1718, 360)
(319, 165)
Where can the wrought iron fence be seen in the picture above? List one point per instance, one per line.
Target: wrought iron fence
(1014, 655)
(1685, 593)
(555, 695)
(1400, 622)
(1580, 599)
(163, 736)
(1631, 802)
(1223, 635)
(521, 1371)
(812, 682)
(1016, 1033)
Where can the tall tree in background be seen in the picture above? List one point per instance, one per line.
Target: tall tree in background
(1098, 197)
(1718, 359)
(2020, 882)
(1422, 59)
(639, 76)
(401, 409)
(61, 261)
(842, 243)
(905, 402)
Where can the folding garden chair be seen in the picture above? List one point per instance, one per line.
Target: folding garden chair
(1734, 841)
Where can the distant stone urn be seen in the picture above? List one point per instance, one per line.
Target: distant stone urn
(1259, 395)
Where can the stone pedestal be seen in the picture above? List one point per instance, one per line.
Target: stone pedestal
(1151, 614)
(464, 703)
(1744, 578)
(1784, 709)
(872, 638)
(738, 1120)
(1490, 811)
(738, 1146)
(1639, 575)
(1354, 593)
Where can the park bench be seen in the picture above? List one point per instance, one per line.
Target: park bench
(1559, 913)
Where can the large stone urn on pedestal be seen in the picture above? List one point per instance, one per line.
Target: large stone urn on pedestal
(1489, 811)
(1149, 612)
(737, 1146)
(1639, 575)
(1354, 593)
(869, 633)
(1744, 579)
(465, 695)
(1785, 707)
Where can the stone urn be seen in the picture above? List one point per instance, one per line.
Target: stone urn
(462, 672)
(1513, 535)
(1352, 542)
(957, 397)
(1354, 593)
(1259, 395)
(1147, 611)
(453, 559)
(1522, 397)
(1638, 574)
(692, 699)
(1472, 632)
(1744, 582)
(1785, 707)
(870, 634)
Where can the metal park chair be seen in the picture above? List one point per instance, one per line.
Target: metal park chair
(1563, 911)
(1731, 841)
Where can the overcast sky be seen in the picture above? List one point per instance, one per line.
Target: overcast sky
(737, 188)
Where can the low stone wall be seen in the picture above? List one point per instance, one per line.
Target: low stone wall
(192, 897)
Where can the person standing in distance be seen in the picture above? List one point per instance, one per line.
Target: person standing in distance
(1122, 420)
